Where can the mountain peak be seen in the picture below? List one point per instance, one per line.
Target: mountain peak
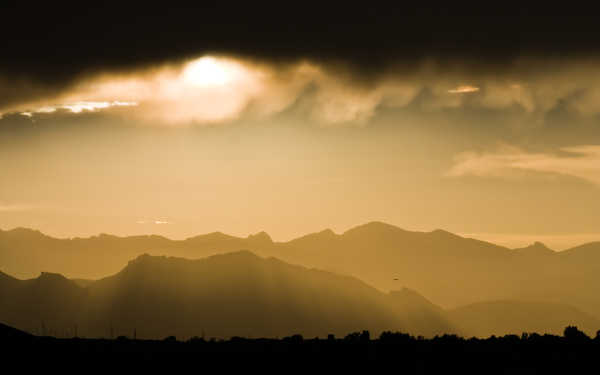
(261, 237)
(539, 244)
(22, 232)
(210, 237)
(444, 233)
(54, 281)
(50, 276)
(146, 259)
(326, 234)
(141, 258)
(537, 248)
(373, 227)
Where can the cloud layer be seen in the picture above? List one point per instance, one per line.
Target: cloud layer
(581, 162)
(218, 89)
(17, 207)
(71, 41)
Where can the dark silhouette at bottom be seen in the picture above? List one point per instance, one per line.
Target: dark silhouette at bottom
(404, 354)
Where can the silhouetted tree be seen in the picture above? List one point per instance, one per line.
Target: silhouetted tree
(352, 337)
(196, 340)
(442, 354)
(573, 334)
(295, 339)
(394, 337)
(365, 336)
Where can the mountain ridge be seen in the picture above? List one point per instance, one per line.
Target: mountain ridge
(241, 293)
(217, 235)
(450, 269)
(237, 293)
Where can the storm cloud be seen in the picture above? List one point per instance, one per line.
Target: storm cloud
(51, 46)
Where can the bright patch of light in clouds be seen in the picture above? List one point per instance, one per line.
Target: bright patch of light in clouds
(78, 107)
(157, 222)
(208, 71)
(580, 161)
(16, 207)
(202, 90)
(92, 106)
(46, 109)
(213, 89)
(463, 89)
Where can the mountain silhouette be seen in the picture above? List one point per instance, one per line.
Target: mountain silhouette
(242, 294)
(535, 249)
(234, 294)
(450, 269)
(49, 300)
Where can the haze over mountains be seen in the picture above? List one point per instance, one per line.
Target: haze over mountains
(241, 294)
(451, 270)
(501, 317)
(234, 294)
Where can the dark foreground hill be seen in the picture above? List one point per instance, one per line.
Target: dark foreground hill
(8, 333)
(451, 270)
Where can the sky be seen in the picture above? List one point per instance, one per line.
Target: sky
(183, 121)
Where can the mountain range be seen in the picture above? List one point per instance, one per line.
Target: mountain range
(451, 270)
(242, 294)
(233, 294)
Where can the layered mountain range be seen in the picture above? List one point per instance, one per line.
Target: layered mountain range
(370, 277)
(449, 269)
(241, 294)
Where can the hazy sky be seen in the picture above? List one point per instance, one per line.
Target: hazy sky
(291, 136)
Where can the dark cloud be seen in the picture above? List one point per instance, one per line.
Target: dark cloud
(55, 43)
(48, 47)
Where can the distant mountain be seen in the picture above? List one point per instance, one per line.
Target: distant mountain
(536, 249)
(515, 317)
(241, 294)
(225, 295)
(450, 269)
(36, 305)
(453, 270)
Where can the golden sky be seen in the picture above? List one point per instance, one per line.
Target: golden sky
(240, 146)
